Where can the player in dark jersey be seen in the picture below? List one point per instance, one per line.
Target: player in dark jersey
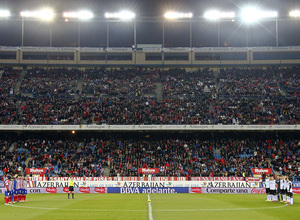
(278, 187)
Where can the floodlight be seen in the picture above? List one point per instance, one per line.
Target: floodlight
(216, 15)
(178, 15)
(123, 15)
(250, 15)
(294, 13)
(82, 15)
(45, 14)
(4, 13)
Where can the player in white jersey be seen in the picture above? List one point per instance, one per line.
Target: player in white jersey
(289, 194)
(284, 189)
(281, 188)
(267, 182)
(273, 189)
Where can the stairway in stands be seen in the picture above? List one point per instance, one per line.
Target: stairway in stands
(106, 171)
(217, 153)
(1, 73)
(159, 91)
(11, 148)
(79, 88)
(18, 84)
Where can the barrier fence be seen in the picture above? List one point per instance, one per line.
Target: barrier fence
(161, 187)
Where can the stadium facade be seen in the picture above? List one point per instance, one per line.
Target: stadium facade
(150, 56)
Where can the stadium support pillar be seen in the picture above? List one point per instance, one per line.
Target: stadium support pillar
(218, 33)
(78, 38)
(23, 23)
(276, 30)
(163, 34)
(107, 34)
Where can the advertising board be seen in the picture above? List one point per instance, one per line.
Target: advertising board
(157, 190)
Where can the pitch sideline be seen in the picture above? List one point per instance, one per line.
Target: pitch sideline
(167, 210)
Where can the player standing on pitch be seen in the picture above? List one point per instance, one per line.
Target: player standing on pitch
(284, 189)
(11, 190)
(289, 193)
(25, 188)
(71, 188)
(273, 189)
(267, 182)
(6, 185)
(278, 183)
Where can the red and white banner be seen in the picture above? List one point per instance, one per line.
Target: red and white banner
(296, 190)
(261, 170)
(84, 190)
(51, 190)
(99, 190)
(258, 191)
(66, 190)
(40, 171)
(196, 190)
(148, 170)
(254, 179)
(190, 190)
(209, 179)
(175, 178)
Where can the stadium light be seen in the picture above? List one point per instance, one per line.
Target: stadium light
(4, 13)
(82, 15)
(123, 15)
(250, 15)
(217, 15)
(45, 14)
(294, 13)
(178, 15)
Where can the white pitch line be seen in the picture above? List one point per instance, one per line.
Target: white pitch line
(150, 208)
(231, 209)
(89, 210)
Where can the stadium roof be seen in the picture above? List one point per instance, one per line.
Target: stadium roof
(36, 33)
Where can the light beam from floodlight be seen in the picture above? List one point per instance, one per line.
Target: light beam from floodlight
(45, 14)
(250, 15)
(4, 13)
(216, 15)
(82, 15)
(178, 15)
(294, 13)
(123, 15)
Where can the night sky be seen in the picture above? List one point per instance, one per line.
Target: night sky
(93, 33)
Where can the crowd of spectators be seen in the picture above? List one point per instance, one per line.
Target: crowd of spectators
(188, 85)
(128, 96)
(251, 83)
(8, 80)
(111, 111)
(174, 155)
(290, 81)
(50, 83)
(119, 83)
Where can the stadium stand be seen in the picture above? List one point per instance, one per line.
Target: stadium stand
(122, 154)
(129, 97)
(236, 96)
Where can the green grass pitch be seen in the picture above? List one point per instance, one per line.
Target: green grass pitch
(164, 206)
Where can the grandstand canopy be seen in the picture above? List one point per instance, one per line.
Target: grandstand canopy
(149, 17)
